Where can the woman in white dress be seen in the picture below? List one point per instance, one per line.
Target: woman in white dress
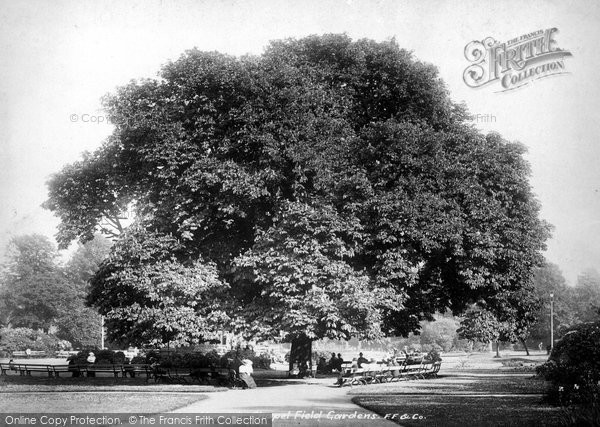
(246, 372)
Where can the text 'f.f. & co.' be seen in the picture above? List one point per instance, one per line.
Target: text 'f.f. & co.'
(516, 62)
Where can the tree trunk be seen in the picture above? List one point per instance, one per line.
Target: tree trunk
(524, 345)
(497, 348)
(301, 351)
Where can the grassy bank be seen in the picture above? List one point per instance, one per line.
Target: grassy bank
(476, 390)
(100, 402)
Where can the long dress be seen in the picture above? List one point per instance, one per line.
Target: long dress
(246, 376)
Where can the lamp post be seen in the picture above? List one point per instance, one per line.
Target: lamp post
(551, 321)
(102, 333)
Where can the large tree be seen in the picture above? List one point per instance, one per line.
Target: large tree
(327, 188)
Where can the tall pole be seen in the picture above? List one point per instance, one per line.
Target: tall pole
(102, 333)
(551, 321)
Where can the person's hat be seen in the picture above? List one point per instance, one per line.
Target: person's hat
(91, 354)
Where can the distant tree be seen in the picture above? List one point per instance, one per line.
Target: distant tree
(442, 332)
(327, 188)
(482, 326)
(78, 323)
(506, 317)
(586, 296)
(19, 339)
(86, 259)
(548, 280)
(33, 289)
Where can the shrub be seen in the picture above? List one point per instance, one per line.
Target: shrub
(19, 339)
(79, 358)
(212, 358)
(262, 361)
(433, 356)
(574, 365)
(138, 360)
(119, 358)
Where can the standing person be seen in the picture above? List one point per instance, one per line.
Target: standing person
(333, 362)
(303, 369)
(340, 362)
(246, 372)
(322, 366)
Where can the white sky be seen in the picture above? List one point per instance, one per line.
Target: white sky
(57, 58)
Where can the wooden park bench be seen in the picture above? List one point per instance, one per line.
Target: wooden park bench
(137, 369)
(415, 368)
(92, 370)
(31, 353)
(5, 367)
(433, 373)
(171, 375)
(351, 375)
(28, 368)
(62, 369)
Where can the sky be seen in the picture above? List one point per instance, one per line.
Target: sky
(58, 58)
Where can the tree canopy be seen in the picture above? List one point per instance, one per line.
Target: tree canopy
(326, 188)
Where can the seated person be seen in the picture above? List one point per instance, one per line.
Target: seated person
(246, 372)
(303, 370)
(361, 360)
(323, 367)
(295, 370)
(91, 359)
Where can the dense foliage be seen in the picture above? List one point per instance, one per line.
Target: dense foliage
(38, 293)
(574, 365)
(103, 357)
(20, 339)
(231, 359)
(572, 304)
(327, 188)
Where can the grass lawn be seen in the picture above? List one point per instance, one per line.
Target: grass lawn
(39, 383)
(483, 392)
(41, 394)
(464, 411)
(102, 402)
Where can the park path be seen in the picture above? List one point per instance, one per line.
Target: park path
(293, 403)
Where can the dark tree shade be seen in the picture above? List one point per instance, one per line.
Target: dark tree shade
(327, 188)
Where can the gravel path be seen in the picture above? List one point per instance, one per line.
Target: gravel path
(306, 403)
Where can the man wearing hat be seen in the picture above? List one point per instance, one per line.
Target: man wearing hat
(246, 372)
